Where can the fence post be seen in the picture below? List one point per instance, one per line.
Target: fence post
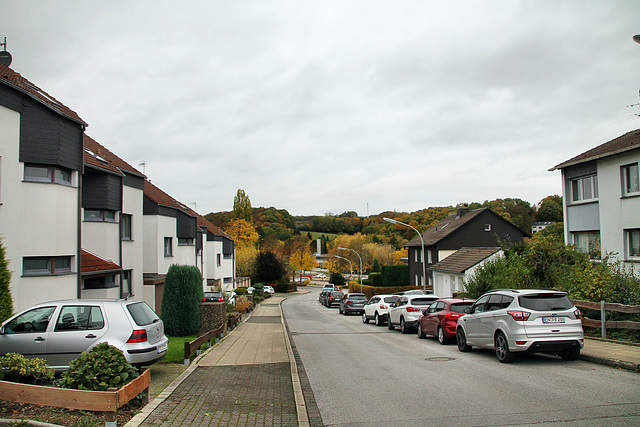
(186, 354)
(603, 319)
(110, 419)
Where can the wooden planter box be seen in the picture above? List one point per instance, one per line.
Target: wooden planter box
(103, 401)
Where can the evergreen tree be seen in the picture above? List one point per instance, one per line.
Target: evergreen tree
(6, 302)
(268, 268)
(242, 207)
(181, 300)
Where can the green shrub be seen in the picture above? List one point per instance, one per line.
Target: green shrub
(6, 303)
(181, 300)
(241, 291)
(19, 367)
(395, 275)
(281, 288)
(337, 279)
(99, 369)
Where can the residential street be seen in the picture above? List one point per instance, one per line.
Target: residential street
(367, 375)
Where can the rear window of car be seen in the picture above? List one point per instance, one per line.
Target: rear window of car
(142, 313)
(337, 294)
(391, 300)
(460, 306)
(422, 301)
(545, 302)
(212, 294)
(357, 297)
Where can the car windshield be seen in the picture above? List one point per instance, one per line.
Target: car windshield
(460, 306)
(142, 313)
(422, 301)
(358, 297)
(545, 302)
(391, 300)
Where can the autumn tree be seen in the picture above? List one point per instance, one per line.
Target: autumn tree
(245, 260)
(302, 259)
(550, 209)
(242, 207)
(242, 233)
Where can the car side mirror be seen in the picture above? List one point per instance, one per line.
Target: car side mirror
(467, 310)
(424, 312)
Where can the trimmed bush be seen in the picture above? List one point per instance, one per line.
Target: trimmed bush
(241, 291)
(337, 279)
(267, 268)
(395, 275)
(181, 300)
(6, 303)
(99, 369)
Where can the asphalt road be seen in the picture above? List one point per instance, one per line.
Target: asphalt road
(367, 375)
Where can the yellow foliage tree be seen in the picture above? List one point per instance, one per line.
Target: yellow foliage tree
(398, 255)
(242, 232)
(302, 259)
(245, 259)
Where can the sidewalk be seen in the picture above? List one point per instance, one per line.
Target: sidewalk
(251, 378)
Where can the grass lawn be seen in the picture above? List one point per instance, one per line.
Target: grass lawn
(175, 353)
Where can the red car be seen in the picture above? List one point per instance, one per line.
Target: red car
(441, 318)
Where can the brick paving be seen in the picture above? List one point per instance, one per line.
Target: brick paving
(211, 396)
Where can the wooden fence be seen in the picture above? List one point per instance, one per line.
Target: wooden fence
(603, 323)
(105, 401)
(195, 346)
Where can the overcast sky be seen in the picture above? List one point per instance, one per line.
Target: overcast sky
(331, 106)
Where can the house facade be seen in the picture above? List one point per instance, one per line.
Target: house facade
(450, 274)
(77, 221)
(464, 228)
(601, 200)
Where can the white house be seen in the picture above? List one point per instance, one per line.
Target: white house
(450, 274)
(41, 166)
(601, 200)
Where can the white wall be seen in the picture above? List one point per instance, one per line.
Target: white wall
(132, 251)
(36, 219)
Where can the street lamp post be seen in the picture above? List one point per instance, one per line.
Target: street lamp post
(347, 249)
(348, 260)
(424, 269)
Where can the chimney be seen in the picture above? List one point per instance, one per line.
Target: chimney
(462, 212)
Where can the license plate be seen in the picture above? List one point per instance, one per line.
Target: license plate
(553, 320)
(162, 348)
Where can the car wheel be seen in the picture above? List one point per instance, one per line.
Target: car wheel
(572, 354)
(340, 310)
(420, 332)
(442, 338)
(461, 339)
(364, 318)
(403, 326)
(389, 324)
(378, 320)
(502, 349)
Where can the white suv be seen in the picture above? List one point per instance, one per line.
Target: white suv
(377, 308)
(406, 311)
(523, 320)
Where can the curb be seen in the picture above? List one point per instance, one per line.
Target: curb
(614, 363)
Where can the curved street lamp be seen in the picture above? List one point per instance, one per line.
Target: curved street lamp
(347, 249)
(636, 38)
(347, 259)
(424, 270)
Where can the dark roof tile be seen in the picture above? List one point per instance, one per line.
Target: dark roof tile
(463, 259)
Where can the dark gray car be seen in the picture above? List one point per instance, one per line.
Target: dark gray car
(59, 331)
(352, 303)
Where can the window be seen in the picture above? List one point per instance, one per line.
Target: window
(429, 259)
(32, 321)
(227, 256)
(487, 227)
(38, 266)
(125, 226)
(588, 243)
(585, 188)
(77, 317)
(168, 246)
(99, 215)
(185, 242)
(125, 291)
(218, 260)
(633, 243)
(630, 182)
(43, 173)
(100, 282)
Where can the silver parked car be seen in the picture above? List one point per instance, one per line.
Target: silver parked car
(59, 331)
(406, 311)
(523, 320)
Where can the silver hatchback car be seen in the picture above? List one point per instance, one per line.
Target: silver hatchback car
(59, 331)
(522, 320)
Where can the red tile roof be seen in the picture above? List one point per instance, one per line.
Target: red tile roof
(15, 80)
(628, 141)
(92, 264)
(98, 156)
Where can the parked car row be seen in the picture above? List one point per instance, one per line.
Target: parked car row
(508, 321)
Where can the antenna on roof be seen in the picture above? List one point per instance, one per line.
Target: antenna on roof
(5, 57)
(144, 167)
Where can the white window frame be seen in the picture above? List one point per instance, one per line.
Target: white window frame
(578, 185)
(126, 226)
(104, 215)
(593, 249)
(632, 243)
(630, 180)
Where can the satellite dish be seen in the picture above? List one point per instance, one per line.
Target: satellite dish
(5, 58)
